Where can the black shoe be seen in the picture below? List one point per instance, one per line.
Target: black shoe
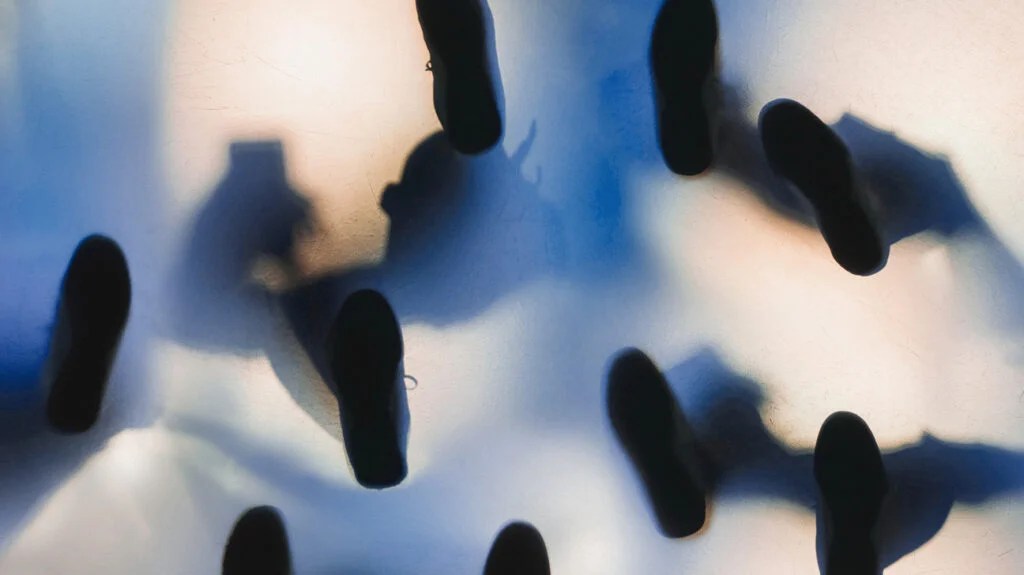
(803, 150)
(365, 352)
(656, 436)
(850, 474)
(518, 550)
(258, 545)
(683, 53)
(464, 97)
(91, 315)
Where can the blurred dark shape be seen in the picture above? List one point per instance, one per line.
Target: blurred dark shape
(365, 350)
(744, 461)
(803, 150)
(683, 60)
(462, 233)
(911, 192)
(258, 545)
(659, 441)
(916, 191)
(475, 229)
(76, 165)
(518, 550)
(851, 477)
(253, 212)
(460, 37)
(91, 317)
(740, 154)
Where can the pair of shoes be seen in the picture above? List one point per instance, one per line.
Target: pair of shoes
(799, 147)
(663, 448)
(365, 349)
(683, 51)
(456, 33)
(258, 545)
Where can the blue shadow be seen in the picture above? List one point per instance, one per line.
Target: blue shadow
(743, 460)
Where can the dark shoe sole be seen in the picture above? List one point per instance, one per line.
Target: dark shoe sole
(659, 441)
(365, 352)
(258, 545)
(807, 153)
(851, 477)
(464, 95)
(91, 317)
(683, 52)
(518, 550)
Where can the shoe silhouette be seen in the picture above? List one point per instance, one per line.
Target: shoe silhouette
(258, 545)
(659, 441)
(851, 477)
(518, 550)
(365, 353)
(455, 32)
(94, 301)
(807, 153)
(683, 53)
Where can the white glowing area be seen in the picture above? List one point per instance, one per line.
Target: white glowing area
(508, 413)
(327, 79)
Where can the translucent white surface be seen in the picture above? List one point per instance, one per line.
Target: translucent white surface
(118, 116)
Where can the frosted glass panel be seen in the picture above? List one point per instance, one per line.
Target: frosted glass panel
(256, 157)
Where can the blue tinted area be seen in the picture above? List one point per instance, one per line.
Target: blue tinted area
(464, 234)
(83, 159)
